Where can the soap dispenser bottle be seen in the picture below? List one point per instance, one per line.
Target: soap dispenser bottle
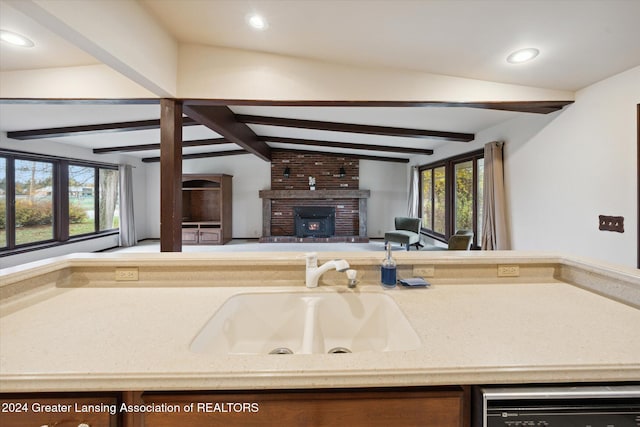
(388, 269)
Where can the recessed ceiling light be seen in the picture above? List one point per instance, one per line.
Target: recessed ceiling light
(257, 22)
(523, 55)
(15, 39)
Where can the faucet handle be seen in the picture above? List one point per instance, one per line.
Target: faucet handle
(312, 259)
(351, 276)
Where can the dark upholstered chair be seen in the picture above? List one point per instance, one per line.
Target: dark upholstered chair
(461, 241)
(407, 232)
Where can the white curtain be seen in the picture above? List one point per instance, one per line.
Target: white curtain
(494, 216)
(413, 209)
(127, 224)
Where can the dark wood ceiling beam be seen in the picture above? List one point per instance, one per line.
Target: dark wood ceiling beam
(147, 147)
(92, 129)
(349, 145)
(356, 128)
(540, 107)
(200, 155)
(221, 120)
(359, 156)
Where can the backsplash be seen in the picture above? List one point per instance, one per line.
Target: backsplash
(325, 168)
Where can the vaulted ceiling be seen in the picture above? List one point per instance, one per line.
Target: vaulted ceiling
(581, 42)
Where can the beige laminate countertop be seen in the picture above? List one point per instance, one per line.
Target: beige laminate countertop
(101, 335)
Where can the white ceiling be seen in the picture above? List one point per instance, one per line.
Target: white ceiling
(581, 42)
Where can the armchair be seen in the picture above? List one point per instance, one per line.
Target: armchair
(407, 232)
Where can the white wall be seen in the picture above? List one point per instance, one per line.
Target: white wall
(564, 169)
(580, 165)
(387, 182)
(389, 187)
(55, 149)
(250, 175)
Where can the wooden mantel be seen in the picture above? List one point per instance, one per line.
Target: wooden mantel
(315, 194)
(268, 195)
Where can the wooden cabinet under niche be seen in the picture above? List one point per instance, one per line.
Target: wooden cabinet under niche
(206, 209)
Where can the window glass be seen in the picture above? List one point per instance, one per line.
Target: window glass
(463, 202)
(81, 200)
(108, 203)
(33, 201)
(439, 200)
(427, 199)
(3, 202)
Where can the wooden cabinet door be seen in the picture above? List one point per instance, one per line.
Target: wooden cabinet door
(397, 408)
(190, 236)
(210, 236)
(59, 411)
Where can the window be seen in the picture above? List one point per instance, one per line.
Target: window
(33, 201)
(108, 206)
(452, 196)
(48, 201)
(82, 206)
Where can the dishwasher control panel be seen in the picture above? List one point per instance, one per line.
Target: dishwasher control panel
(556, 406)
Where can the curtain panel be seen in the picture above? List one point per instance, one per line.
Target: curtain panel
(413, 208)
(127, 223)
(494, 216)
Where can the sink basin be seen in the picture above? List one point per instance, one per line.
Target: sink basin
(306, 323)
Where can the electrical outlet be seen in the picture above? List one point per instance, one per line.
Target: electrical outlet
(424, 270)
(124, 274)
(508, 270)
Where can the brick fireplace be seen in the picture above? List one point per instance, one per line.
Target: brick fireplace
(336, 189)
(314, 221)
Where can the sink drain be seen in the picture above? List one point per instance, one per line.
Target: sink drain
(281, 350)
(337, 350)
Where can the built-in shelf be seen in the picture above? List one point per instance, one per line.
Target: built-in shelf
(206, 209)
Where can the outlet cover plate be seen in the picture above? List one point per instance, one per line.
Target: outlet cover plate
(508, 270)
(126, 274)
(611, 223)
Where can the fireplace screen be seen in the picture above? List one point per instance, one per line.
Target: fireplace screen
(314, 221)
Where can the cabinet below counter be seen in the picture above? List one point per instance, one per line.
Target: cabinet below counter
(400, 407)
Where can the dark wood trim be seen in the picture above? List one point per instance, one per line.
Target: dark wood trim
(355, 128)
(38, 246)
(10, 215)
(200, 155)
(147, 147)
(538, 107)
(91, 129)
(171, 175)
(314, 194)
(221, 120)
(361, 157)
(61, 215)
(350, 145)
(49, 157)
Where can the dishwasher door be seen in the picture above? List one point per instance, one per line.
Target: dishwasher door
(557, 406)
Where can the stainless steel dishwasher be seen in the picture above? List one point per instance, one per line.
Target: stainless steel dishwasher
(557, 406)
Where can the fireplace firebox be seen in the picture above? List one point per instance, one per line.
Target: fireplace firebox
(314, 221)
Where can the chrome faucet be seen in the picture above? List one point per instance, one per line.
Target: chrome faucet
(314, 272)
